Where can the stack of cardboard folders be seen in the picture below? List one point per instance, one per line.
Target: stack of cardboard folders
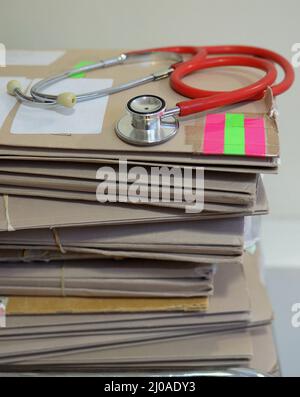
(92, 286)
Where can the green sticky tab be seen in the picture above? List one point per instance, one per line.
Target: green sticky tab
(78, 66)
(234, 139)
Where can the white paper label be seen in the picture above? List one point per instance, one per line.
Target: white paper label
(3, 303)
(85, 118)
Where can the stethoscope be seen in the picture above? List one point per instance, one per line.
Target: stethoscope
(148, 121)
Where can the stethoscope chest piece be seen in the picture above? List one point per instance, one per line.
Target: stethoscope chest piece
(146, 122)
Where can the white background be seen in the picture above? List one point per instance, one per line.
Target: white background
(60, 24)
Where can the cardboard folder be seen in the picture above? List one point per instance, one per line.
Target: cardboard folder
(263, 358)
(234, 297)
(220, 241)
(15, 351)
(125, 344)
(235, 164)
(86, 190)
(27, 212)
(230, 303)
(63, 180)
(186, 144)
(214, 180)
(106, 278)
(119, 286)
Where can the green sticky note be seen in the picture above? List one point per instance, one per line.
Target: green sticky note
(234, 139)
(78, 66)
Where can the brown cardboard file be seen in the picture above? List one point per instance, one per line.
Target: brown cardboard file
(259, 333)
(230, 305)
(27, 212)
(180, 149)
(239, 183)
(95, 352)
(206, 242)
(152, 336)
(86, 190)
(48, 208)
(234, 165)
(264, 358)
(105, 279)
(227, 309)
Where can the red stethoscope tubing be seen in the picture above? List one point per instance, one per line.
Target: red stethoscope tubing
(228, 55)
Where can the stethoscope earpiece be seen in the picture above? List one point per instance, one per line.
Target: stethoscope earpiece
(66, 99)
(12, 86)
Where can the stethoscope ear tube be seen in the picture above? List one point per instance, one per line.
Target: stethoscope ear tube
(203, 100)
(68, 99)
(226, 55)
(206, 100)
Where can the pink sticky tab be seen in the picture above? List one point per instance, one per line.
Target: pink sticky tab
(255, 137)
(213, 142)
